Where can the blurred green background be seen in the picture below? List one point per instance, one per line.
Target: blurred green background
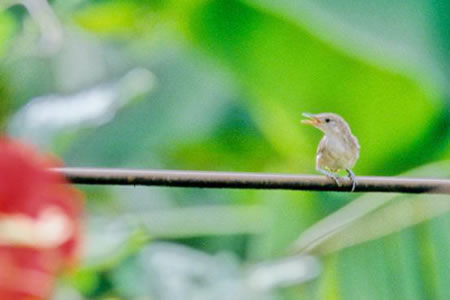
(220, 85)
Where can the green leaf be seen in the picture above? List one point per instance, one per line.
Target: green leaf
(410, 36)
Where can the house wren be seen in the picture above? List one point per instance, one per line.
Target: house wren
(338, 149)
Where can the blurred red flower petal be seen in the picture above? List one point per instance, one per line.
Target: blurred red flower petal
(39, 222)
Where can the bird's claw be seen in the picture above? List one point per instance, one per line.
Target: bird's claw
(330, 175)
(353, 179)
(335, 180)
(354, 182)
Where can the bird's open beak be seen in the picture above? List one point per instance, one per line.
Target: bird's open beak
(312, 119)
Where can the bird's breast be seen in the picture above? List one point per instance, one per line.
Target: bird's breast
(335, 145)
(337, 153)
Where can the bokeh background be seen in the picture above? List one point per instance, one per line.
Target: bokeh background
(220, 85)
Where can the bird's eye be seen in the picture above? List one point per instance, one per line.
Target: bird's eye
(327, 120)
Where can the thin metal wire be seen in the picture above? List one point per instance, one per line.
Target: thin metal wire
(204, 179)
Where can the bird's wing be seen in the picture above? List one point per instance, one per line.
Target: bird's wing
(322, 145)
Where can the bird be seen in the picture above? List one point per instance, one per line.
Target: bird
(338, 149)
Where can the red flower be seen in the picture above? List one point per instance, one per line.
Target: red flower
(39, 223)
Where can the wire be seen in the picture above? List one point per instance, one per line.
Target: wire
(205, 179)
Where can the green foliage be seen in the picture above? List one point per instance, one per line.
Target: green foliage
(4, 101)
(7, 30)
(290, 71)
(231, 78)
(122, 18)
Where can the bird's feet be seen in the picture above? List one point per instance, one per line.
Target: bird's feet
(336, 179)
(330, 175)
(352, 177)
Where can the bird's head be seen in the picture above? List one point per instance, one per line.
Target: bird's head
(329, 123)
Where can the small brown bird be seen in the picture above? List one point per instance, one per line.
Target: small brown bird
(338, 149)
